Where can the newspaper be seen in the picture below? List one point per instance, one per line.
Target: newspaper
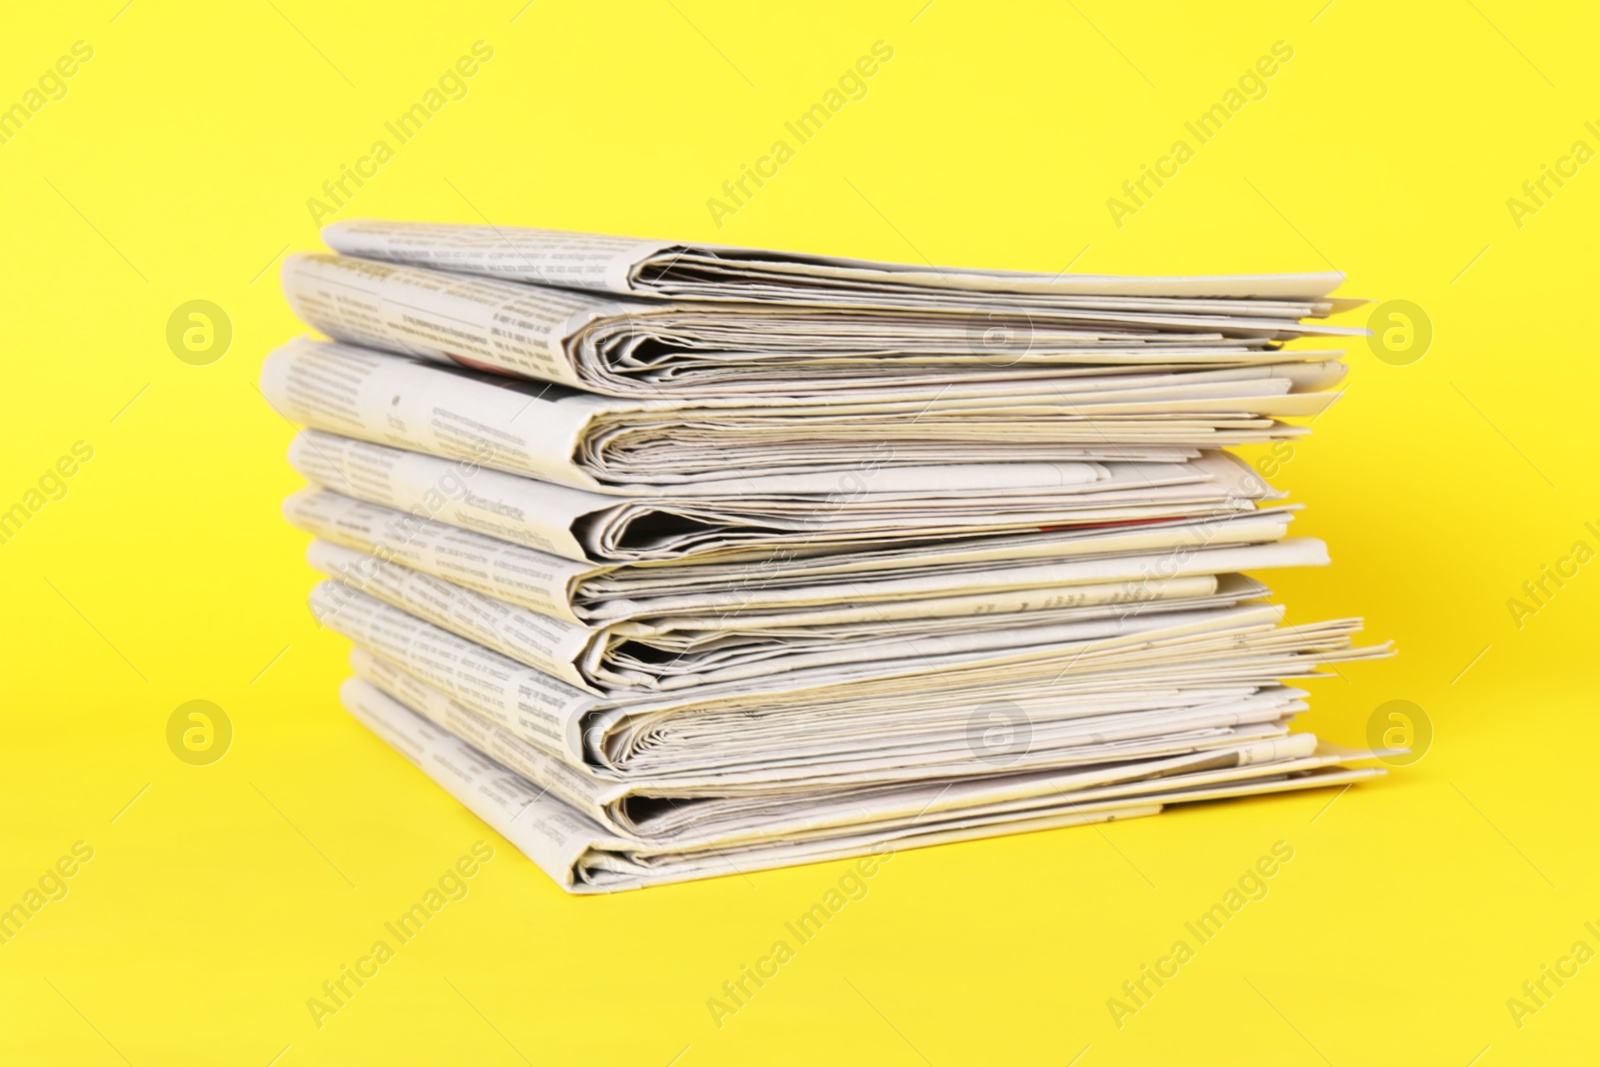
(634, 347)
(737, 645)
(812, 722)
(587, 840)
(988, 576)
(671, 809)
(783, 443)
(674, 270)
(657, 808)
(897, 506)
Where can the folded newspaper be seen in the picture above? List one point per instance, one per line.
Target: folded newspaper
(806, 723)
(1063, 568)
(729, 520)
(592, 837)
(913, 335)
(785, 443)
(677, 271)
(672, 561)
(732, 641)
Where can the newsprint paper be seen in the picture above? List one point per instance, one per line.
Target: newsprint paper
(674, 560)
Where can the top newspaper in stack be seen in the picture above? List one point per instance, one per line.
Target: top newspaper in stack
(906, 338)
(676, 271)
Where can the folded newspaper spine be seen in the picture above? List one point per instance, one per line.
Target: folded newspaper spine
(672, 561)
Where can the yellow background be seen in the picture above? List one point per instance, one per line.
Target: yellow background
(178, 168)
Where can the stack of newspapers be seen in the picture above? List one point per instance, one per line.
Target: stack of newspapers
(675, 560)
